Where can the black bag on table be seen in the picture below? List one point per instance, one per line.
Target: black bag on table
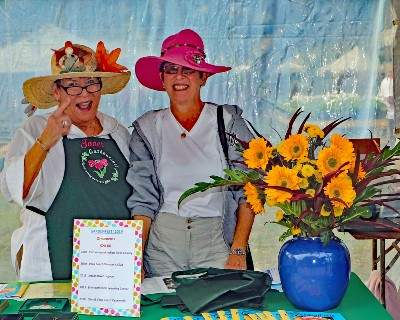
(209, 289)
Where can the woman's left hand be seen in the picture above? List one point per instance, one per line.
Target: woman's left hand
(237, 262)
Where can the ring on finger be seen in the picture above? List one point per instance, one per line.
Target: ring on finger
(65, 123)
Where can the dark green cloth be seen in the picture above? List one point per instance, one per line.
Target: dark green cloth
(358, 303)
(89, 190)
(216, 289)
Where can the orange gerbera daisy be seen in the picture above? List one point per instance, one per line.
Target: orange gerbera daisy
(281, 177)
(342, 144)
(294, 148)
(258, 154)
(252, 197)
(340, 187)
(330, 159)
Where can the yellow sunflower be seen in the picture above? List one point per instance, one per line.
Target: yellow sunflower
(310, 192)
(258, 154)
(314, 131)
(318, 176)
(295, 231)
(279, 215)
(293, 148)
(281, 177)
(330, 159)
(303, 183)
(325, 212)
(307, 170)
(338, 211)
(252, 197)
(341, 187)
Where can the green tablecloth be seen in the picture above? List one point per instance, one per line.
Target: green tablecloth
(357, 304)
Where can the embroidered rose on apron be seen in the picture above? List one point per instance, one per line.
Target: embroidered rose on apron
(99, 166)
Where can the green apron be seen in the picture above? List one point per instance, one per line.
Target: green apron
(93, 187)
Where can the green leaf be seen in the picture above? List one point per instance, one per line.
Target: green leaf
(236, 175)
(216, 178)
(364, 212)
(369, 192)
(254, 175)
(203, 186)
(285, 235)
(395, 151)
(326, 236)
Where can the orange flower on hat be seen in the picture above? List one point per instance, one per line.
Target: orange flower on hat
(107, 62)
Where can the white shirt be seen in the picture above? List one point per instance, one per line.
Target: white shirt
(183, 161)
(32, 235)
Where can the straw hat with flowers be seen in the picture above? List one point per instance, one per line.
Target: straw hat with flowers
(72, 61)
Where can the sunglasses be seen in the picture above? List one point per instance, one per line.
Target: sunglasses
(174, 69)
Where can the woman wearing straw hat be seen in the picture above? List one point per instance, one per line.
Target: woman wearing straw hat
(69, 163)
(173, 148)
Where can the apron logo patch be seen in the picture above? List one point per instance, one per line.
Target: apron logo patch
(99, 166)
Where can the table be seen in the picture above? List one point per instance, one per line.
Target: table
(358, 303)
(379, 229)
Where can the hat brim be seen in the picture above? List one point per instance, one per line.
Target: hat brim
(39, 90)
(147, 69)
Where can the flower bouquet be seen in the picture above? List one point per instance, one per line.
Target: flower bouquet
(317, 184)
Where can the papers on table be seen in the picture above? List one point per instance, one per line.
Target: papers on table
(13, 290)
(48, 290)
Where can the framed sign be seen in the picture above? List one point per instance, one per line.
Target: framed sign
(106, 267)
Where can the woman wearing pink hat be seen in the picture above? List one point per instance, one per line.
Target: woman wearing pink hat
(173, 148)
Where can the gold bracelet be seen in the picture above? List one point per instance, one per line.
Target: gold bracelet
(42, 145)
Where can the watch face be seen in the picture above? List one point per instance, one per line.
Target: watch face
(238, 251)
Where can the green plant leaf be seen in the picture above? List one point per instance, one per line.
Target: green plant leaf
(254, 175)
(326, 236)
(236, 175)
(203, 186)
(364, 212)
(285, 235)
(369, 192)
(395, 151)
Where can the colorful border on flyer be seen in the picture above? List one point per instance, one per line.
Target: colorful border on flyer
(137, 227)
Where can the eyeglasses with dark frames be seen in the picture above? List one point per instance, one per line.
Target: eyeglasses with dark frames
(77, 90)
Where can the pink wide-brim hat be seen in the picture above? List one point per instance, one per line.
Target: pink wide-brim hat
(185, 48)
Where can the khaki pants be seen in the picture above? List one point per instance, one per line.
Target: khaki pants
(176, 243)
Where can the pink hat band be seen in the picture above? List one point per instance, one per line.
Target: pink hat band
(184, 48)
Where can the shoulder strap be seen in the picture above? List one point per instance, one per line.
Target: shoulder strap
(221, 132)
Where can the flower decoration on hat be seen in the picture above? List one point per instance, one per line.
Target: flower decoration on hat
(70, 58)
(107, 62)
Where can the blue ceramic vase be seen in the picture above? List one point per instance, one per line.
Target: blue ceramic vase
(314, 276)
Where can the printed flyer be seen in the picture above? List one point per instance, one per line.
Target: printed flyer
(106, 254)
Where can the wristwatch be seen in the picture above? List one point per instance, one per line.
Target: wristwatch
(238, 251)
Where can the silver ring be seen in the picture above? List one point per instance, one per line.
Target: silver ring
(65, 123)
